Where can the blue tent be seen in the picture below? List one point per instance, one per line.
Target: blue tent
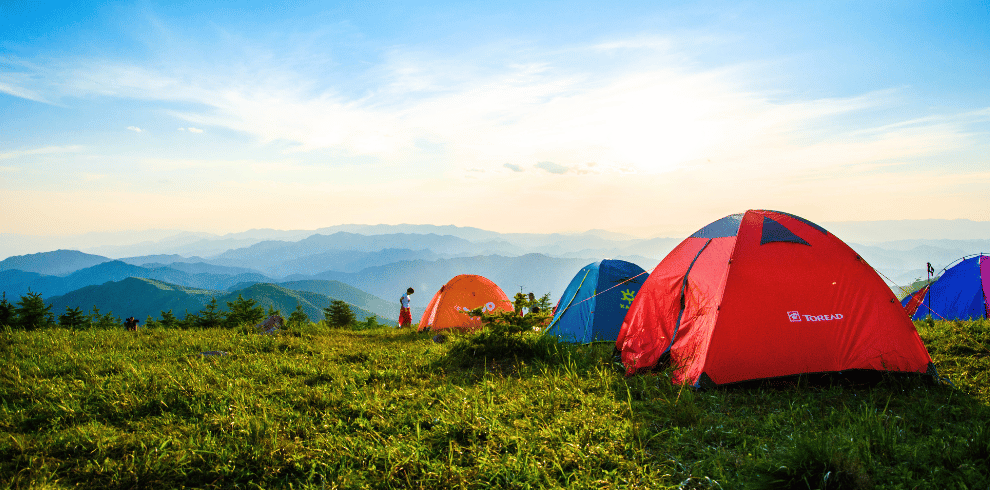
(596, 301)
(960, 292)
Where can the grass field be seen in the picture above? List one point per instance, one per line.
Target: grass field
(392, 409)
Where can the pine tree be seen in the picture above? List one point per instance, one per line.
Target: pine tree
(243, 311)
(6, 311)
(189, 320)
(339, 314)
(168, 319)
(73, 318)
(31, 312)
(210, 316)
(298, 317)
(106, 321)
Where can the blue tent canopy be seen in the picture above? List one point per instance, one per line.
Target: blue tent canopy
(596, 301)
(960, 292)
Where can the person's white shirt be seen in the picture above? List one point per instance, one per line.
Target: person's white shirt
(404, 300)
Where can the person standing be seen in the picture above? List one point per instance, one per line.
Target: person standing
(405, 316)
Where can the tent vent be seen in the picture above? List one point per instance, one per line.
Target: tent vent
(813, 225)
(776, 232)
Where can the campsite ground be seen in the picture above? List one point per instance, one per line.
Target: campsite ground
(390, 409)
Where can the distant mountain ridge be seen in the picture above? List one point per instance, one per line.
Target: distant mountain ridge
(57, 263)
(535, 273)
(16, 283)
(150, 242)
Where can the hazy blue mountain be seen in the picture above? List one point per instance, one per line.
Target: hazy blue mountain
(354, 296)
(150, 242)
(347, 261)
(15, 283)
(465, 232)
(196, 268)
(656, 248)
(874, 232)
(969, 246)
(535, 273)
(18, 284)
(902, 262)
(114, 270)
(139, 297)
(57, 263)
(269, 256)
(161, 259)
(191, 243)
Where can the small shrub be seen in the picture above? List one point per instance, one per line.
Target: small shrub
(368, 323)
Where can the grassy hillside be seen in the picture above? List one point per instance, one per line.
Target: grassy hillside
(390, 409)
(133, 296)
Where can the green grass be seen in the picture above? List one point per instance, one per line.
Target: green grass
(385, 408)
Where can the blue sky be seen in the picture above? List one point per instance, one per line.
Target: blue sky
(651, 118)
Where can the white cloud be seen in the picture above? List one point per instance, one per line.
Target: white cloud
(134, 128)
(191, 130)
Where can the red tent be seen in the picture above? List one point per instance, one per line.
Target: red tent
(766, 294)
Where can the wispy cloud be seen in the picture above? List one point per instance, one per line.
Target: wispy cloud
(47, 150)
(577, 120)
(552, 167)
(642, 116)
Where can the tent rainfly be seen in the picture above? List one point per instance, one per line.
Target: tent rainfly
(766, 294)
(596, 301)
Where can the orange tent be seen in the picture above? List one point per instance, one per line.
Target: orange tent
(461, 294)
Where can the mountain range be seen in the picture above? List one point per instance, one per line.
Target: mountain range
(383, 260)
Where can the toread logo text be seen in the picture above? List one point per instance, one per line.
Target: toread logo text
(796, 317)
